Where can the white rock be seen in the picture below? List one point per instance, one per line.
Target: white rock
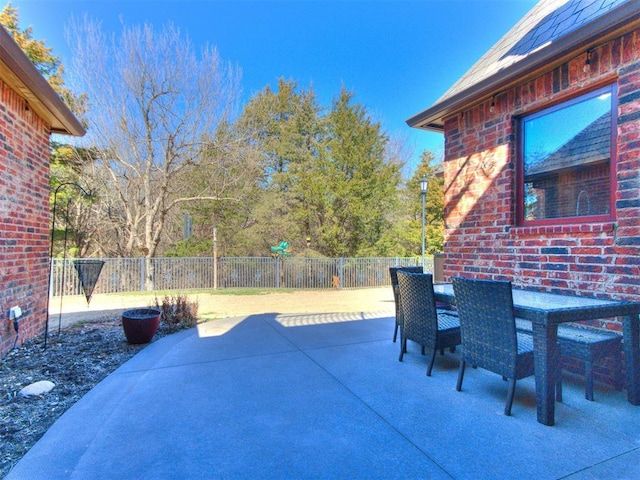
(37, 388)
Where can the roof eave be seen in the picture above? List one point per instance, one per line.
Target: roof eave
(20, 73)
(622, 19)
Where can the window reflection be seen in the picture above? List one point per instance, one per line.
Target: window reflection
(567, 157)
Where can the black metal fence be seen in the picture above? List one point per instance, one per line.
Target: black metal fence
(177, 273)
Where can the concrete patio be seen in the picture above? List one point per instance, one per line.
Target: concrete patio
(324, 396)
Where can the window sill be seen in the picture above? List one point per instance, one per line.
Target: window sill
(603, 227)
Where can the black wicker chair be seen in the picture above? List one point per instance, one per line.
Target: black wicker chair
(489, 336)
(393, 271)
(433, 329)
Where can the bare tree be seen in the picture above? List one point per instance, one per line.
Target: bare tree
(155, 105)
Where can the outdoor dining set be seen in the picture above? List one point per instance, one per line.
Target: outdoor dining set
(515, 332)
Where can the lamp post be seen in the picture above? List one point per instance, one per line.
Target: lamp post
(424, 185)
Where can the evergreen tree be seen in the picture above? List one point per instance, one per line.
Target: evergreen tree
(360, 188)
(288, 136)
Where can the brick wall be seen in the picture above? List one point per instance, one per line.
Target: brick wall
(24, 217)
(482, 238)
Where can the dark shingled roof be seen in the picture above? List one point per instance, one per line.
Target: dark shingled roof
(548, 31)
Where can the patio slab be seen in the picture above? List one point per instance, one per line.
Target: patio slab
(323, 396)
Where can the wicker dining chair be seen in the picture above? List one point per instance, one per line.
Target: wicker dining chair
(393, 271)
(489, 336)
(431, 328)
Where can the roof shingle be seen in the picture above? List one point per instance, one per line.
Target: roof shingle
(547, 23)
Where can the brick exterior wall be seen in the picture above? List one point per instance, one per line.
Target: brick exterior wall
(482, 238)
(24, 218)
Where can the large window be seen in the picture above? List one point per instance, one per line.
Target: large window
(566, 163)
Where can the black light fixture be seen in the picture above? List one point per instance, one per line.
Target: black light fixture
(587, 62)
(424, 185)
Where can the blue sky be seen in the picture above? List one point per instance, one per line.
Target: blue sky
(398, 57)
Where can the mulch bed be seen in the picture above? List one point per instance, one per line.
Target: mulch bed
(75, 361)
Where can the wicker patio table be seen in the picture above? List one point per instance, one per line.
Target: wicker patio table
(546, 311)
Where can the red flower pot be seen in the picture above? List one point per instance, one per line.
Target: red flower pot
(140, 324)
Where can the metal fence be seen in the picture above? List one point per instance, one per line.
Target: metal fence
(178, 273)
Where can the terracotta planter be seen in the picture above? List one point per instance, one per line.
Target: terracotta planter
(140, 324)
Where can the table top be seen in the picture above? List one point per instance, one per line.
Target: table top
(553, 307)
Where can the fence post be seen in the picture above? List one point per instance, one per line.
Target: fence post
(142, 274)
(341, 272)
(277, 260)
(215, 258)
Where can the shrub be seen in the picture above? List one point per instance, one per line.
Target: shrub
(178, 312)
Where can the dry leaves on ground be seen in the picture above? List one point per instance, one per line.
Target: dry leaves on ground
(75, 360)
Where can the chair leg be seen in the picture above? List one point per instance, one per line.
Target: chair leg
(559, 387)
(403, 347)
(431, 361)
(619, 378)
(460, 375)
(510, 395)
(588, 373)
(395, 333)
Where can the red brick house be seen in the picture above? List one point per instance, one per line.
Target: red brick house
(30, 111)
(542, 153)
